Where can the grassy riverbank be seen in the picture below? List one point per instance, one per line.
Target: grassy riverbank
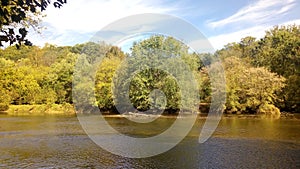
(68, 109)
(53, 109)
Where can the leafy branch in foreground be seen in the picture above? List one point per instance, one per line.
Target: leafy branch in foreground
(16, 16)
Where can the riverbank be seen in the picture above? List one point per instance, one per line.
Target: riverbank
(28, 110)
(68, 109)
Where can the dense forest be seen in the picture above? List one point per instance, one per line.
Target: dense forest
(262, 75)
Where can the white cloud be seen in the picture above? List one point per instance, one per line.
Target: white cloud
(259, 12)
(92, 15)
(297, 22)
(219, 41)
(79, 20)
(82, 17)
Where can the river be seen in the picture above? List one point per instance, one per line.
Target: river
(59, 142)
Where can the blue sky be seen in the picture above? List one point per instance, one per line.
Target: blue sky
(221, 21)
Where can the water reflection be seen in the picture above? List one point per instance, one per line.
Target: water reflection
(59, 142)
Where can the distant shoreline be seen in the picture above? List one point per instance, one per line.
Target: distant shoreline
(68, 110)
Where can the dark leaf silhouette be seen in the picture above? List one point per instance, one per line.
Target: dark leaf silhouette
(15, 12)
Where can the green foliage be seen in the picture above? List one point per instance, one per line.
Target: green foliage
(249, 88)
(60, 78)
(27, 78)
(45, 109)
(279, 52)
(20, 13)
(268, 109)
(4, 107)
(103, 83)
(92, 50)
(18, 83)
(262, 76)
(147, 80)
(205, 89)
(6, 67)
(12, 54)
(158, 64)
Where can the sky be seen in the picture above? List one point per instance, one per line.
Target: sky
(220, 21)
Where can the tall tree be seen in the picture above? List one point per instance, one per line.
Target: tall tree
(251, 89)
(279, 51)
(157, 64)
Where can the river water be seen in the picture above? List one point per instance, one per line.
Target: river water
(60, 142)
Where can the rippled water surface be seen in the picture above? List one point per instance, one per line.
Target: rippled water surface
(60, 142)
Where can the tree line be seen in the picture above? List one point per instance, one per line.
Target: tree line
(262, 75)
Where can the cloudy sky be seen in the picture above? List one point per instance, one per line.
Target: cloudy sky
(221, 21)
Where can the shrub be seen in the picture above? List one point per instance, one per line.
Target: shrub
(3, 107)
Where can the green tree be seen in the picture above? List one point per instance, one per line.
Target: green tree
(92, 50)
(158, 63)
(20, 14)
(6, 67)
(103, 83)
(18, 83)
(60, 78)
(106, 59)
(279, 51)
(12, 54)
(250, 89)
